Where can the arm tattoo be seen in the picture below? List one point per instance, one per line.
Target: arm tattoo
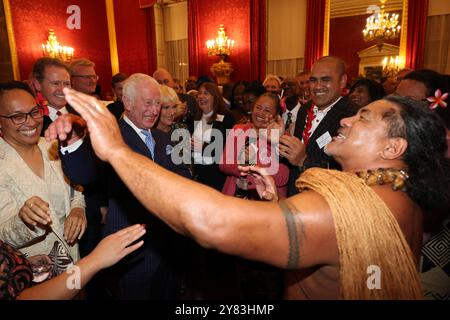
(293, 236)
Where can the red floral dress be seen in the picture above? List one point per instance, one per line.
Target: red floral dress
(15, 272)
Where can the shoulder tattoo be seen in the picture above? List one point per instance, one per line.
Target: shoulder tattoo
(295, 231)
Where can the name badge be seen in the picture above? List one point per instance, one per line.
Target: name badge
(324, 139)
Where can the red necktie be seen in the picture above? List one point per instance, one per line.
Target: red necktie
(309, 119)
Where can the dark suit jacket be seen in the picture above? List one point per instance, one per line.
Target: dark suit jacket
(315, 156)
(116, 108)
(211, 174)
(136, 273)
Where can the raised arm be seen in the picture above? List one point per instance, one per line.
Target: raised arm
(255, 230)
(108, 252)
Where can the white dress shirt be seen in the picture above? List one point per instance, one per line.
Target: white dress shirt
(52, 112)
(320, 115)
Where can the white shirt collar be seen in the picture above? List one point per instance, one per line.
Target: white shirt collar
(325, 111)
(134, 127)
(294, 111)
(52, 112)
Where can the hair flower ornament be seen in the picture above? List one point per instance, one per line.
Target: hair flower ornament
(438, 100)
(42, 102)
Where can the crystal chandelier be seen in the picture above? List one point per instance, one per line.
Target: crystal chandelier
(221, 46)
(381, 26)
(54, 50)
(391, 66)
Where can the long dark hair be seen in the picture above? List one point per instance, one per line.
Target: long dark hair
(218, 105)
(428, 168)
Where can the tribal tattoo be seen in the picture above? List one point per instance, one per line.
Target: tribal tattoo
(291, 216)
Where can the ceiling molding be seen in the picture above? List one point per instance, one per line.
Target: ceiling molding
(347, 8)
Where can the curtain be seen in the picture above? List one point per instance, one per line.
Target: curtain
(151, 39)
(417, 26)
(177, 58)
(286, 68)
(146, 3)
(315, 21)
(257, 39)
(437, 44)
(193, 37)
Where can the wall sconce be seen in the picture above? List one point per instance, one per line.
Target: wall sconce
(391, 66)
(222, 46)
(54, 50)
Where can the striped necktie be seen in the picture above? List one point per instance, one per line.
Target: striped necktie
(149, 142)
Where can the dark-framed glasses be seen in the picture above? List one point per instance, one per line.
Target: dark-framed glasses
(21, 117)
(86, 77)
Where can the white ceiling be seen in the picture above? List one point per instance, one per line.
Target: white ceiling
(339, 8)
(344, 8)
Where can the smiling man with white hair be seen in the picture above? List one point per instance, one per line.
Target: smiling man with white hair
(151, 273)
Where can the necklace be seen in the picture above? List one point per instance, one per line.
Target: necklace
(396, 177)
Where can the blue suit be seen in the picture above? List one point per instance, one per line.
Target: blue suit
(153, 271)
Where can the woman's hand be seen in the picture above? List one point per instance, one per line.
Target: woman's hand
(75, 225)
(35, 211)
(116, 246)
(265, 184)
(275, 129)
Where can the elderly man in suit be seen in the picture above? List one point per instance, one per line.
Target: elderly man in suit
(151, 272)
(318, 121)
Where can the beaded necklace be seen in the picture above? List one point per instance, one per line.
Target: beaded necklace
(396, 177)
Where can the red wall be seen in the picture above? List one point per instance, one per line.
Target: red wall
(131, 34)
(347, 44)
(235, 16)
(32, 20)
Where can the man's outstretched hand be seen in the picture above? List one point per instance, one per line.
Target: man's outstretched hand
(68, 128)
(265, 184)
(102, 125)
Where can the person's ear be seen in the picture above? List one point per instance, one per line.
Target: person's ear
(394, 149)
(126, 102)
(36, 85)
(343, 82)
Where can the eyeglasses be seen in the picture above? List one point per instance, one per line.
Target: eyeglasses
(21, 117)
(86, 77)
